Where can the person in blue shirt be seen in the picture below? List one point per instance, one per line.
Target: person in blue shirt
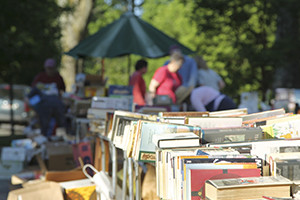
(188, 70)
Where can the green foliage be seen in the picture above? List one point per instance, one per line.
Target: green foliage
(29, 34)
(117, 70)
(238, 37)
(173, 18)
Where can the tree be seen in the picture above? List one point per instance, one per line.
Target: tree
(74, 27)
(287, 44)
(239, 39)
(29, 34)
(101, 14)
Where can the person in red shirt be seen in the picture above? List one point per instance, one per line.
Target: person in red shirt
(166, 79)
(137, 81)
(49, 81)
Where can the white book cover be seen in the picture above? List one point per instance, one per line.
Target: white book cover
(263, 148)
(215, 122)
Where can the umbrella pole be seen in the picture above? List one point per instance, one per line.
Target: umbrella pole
(128, 67)
(11, 99)
(102, 70)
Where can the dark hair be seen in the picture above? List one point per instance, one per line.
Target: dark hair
(141, 64)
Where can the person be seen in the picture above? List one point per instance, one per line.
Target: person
(166, 79)
(50, 81)
(205, 98)
(207, 76)
(48, 86)
(136, 80)
(188, 70)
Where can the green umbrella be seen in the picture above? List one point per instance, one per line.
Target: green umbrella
(127, 35)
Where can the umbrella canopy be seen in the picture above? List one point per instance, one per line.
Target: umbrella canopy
(127, 35)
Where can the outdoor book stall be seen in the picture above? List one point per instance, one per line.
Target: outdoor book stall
(125, 154)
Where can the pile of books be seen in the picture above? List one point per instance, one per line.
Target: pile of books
(195, 152)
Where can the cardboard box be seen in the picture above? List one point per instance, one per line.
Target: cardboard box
(61, 176)
(80, 107)
(83, 189)
(60, 156)
(13, 154)
(91, 91)
(43, 190)
(8, 168)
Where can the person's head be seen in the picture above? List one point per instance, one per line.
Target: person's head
(201, 64)
(173, 48)
(141, 65)
(176, 60)
(50, 66)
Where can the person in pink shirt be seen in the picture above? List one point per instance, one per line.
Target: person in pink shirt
(137, 81)
(166, 79)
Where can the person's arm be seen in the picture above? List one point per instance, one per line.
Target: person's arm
(137, 93)
(152, 87)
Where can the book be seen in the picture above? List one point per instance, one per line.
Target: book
(120, 119)
(272, 159)
(144, 148)
(97, 113)
(169, 140)
(79, 189)
(196, 178)
(131, 138)
(169, 167)
(116, 103)
(179, 117)
(288, 168)
(238, 134)
(248, 188)
(212, 162)
(263, 114)
(183, 114)
(263, 121)
(230, 112)
(174, 120)
(214, 122)
(264, 148)
(119, 90)
(285, 127)
(82, 151)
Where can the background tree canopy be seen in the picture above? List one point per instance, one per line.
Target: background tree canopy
(30, 33)
(253, 45)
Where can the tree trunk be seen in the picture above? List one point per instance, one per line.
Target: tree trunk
(73, 26)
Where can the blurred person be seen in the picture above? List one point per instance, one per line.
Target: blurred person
(207, 76)
(137, 81)
(47, 88)
(188, 70)
(166, 79)
(49, 80)
(205, 98)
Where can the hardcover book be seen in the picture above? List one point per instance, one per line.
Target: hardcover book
(228, 135)
(169, 140)
(248, 188)
(214, 122)
(199, 176)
